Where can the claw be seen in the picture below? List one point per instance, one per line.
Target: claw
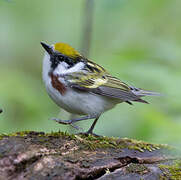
(66, 122)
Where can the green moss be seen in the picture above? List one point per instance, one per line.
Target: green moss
(93, 142)
(142, 146)
(3, 135)
(31, 133)
(111, 142)
(173, 171)
(22, 134)
(137, 168)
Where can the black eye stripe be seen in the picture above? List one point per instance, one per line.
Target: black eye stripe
(54, 62)
(56, 58)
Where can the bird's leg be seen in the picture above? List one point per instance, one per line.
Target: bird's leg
(72, 121)
(90, 131)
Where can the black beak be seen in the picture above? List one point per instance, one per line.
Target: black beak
(47, 48)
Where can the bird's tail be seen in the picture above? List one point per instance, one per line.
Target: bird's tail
(141, 93)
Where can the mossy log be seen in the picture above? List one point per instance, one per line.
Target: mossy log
(36, 155)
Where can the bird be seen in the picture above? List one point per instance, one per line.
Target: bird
(82, 87)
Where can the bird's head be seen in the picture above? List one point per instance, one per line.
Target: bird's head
(61, 52)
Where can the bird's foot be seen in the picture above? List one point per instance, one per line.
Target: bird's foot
(65, 122)
(60, 121)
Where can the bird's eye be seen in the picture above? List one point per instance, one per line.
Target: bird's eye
(60, 58)
(69, 61)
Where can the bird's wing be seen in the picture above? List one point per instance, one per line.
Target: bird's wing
(96, 80)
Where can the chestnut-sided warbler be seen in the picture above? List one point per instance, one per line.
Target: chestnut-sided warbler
(83, 87)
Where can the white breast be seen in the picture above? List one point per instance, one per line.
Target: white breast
(76, 102)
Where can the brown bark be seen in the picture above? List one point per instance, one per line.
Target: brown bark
(36, 155)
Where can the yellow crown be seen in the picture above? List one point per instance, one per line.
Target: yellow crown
(66, 49)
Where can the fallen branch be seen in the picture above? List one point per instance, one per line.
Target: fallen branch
(36, 155)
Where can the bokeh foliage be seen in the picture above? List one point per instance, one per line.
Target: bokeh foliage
(138, 41)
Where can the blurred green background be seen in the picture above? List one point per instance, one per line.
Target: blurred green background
(138, 41)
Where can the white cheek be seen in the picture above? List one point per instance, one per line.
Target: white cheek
(78, 67)
(61, 68)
